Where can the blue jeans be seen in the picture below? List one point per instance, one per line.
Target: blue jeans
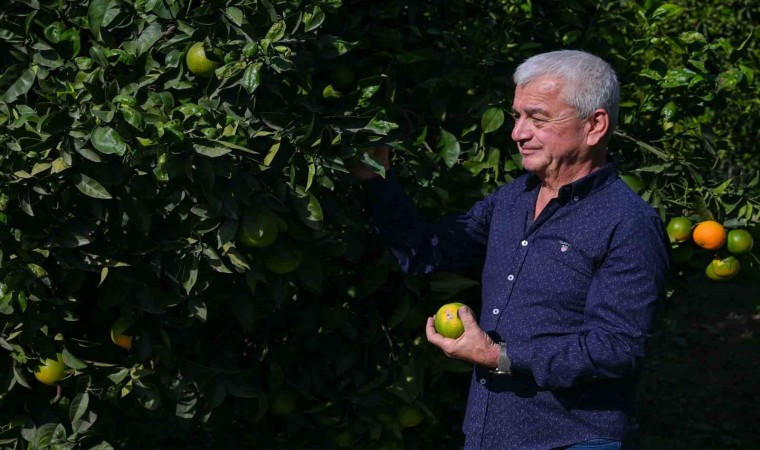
(596, 444)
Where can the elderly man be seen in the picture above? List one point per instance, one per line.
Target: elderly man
(573, 262)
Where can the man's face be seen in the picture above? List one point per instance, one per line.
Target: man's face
(550, 136)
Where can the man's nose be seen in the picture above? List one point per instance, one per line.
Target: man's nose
(521, 130)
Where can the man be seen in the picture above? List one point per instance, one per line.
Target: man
(573, 263)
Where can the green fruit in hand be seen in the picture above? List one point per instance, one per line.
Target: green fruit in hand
(51, 371)
(198, 63)
(447, 321)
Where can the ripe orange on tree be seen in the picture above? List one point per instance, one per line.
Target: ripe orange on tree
(197, 61)
(50, 370)
(117, 333)
(447, 321)
(679, 229)
(709, 235)
(739, 242)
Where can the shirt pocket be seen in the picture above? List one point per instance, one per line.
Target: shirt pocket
(576, 260)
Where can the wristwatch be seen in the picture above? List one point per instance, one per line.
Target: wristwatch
(504, 365)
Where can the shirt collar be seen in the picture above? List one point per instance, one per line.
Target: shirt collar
(583, 187)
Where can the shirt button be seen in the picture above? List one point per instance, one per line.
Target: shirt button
(524, 243)
(510, 277)
(496, 310)
(482, 381)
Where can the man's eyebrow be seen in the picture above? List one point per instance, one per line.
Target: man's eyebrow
(530, 111)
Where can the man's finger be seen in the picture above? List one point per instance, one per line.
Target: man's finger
(432, 335)
(467, 317)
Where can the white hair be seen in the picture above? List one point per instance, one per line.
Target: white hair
(590, 82)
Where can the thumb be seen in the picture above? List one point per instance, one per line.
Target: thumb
(467, 316)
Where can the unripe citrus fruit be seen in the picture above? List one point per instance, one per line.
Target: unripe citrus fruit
(410, 416)
(447, 321)
(51, 371)
(259, 229)
(283, 259)
(283, 403)
(198, 63)
(725, 268)
(739, 242)
(117, 333)
(709, 235)
(679, 229)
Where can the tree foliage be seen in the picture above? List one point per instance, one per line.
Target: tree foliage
(126, 182)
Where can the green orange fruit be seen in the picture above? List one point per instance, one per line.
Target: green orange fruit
(283, 259)
(679, 229)
(725, 268)
(259, 228)
(283, 403)
(197, 61)
(447, 321)
(50, 370)
(739, 242)
(410, 416)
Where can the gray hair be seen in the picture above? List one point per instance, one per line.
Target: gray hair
(591, 82)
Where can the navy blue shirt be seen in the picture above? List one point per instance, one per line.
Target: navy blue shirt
(571, 293)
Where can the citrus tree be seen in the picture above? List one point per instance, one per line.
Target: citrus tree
(177, 221)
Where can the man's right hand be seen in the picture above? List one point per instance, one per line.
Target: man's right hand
(363, 171)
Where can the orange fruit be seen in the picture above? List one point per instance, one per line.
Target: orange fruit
(410, 416)
(283, 259)
(51, 371)
(447, 321)
(198, 63)
(679, 229)
(259, 229)
(117, 333)
(725, 268)
(709, 235)
(739, 242)
(283, 403)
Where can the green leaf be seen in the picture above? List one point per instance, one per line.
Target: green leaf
(211, 152)
(188, 273)
(72, 361)
(252, 77)
(149, 36)
(90, 187)
(308, 208)
(492, 120)
(668, 9)
(95, 15)
(235, 15)
(728, 80)
(79, 406)
(107, 140)
(276, 31)
(21, 86)
(448, 148)
(313, 19)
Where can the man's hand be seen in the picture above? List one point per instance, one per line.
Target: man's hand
(362, 171)
(474, 345)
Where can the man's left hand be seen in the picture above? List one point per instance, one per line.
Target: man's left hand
(474, 345)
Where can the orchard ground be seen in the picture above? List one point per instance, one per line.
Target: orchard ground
(699, 387)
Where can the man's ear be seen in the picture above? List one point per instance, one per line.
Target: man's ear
(598, 124)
